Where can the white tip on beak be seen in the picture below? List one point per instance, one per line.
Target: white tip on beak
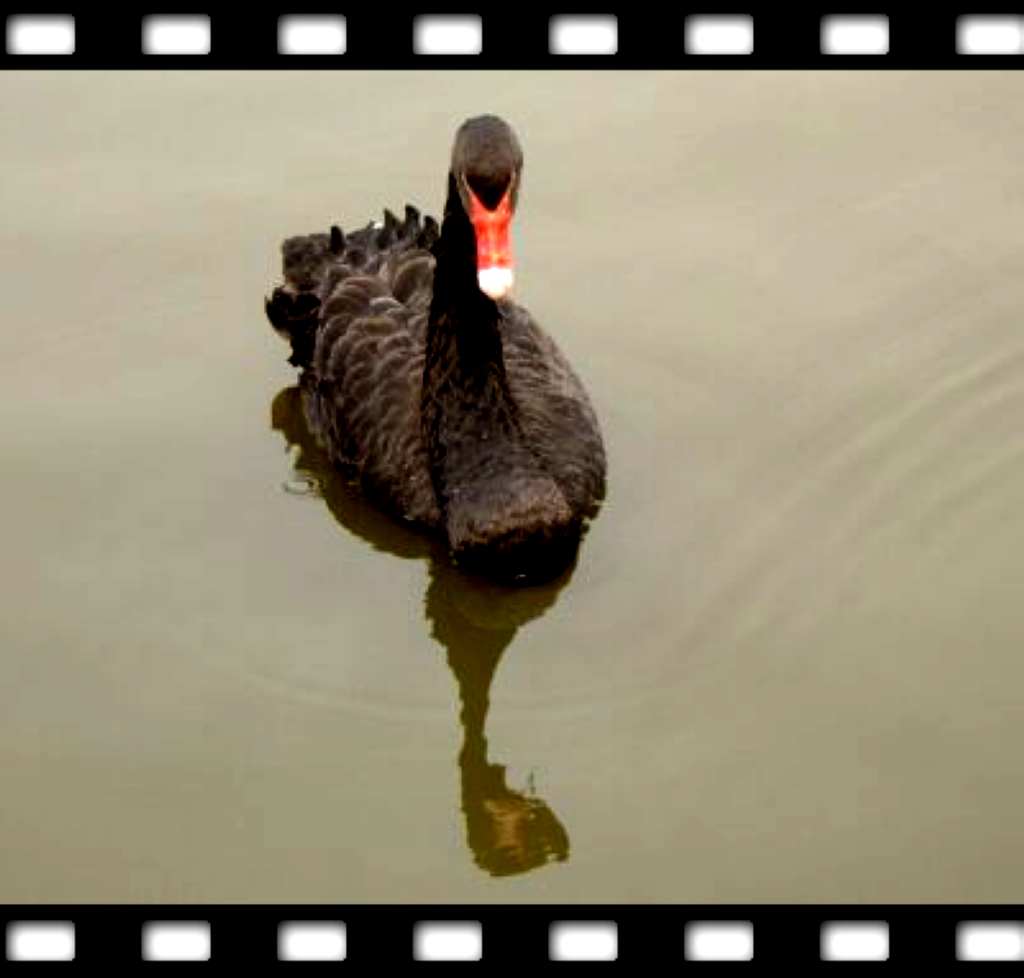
(495, 282)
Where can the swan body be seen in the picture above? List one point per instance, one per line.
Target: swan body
(419, 372)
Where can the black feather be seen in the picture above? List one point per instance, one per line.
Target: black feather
(458, 413)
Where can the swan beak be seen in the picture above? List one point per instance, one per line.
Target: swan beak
(493, 248)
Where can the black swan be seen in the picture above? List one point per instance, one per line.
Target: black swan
(442, 395)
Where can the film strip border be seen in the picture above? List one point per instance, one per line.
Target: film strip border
(538, 936)
(515, 37)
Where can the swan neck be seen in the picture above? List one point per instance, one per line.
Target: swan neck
(456, 288)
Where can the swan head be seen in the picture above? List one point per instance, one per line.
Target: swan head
(487, 164)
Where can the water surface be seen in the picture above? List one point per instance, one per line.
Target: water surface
(787, 663)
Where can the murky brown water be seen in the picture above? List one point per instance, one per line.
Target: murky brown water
(788, 663)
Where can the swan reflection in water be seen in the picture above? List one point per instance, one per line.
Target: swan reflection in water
(508, 831)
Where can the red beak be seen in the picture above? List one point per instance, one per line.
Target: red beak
(493, 246)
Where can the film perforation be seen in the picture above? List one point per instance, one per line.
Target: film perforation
(472, 38)
(547, 937)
